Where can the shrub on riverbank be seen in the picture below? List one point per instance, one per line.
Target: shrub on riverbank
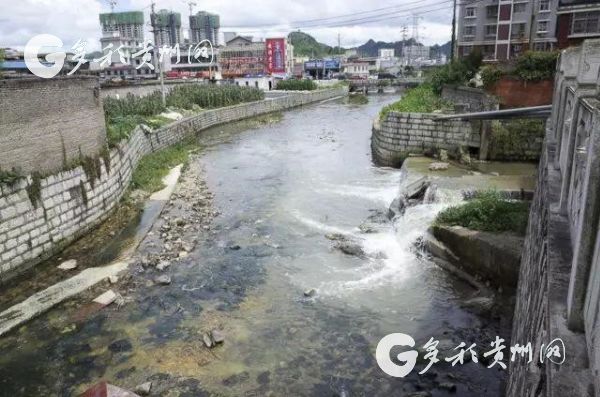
(489, 212)
(123, 114)
(296, 85)
(421, 99)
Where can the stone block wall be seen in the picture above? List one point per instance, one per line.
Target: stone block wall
(559, 286)
(398, 134)
(39, 217)
(47, 123)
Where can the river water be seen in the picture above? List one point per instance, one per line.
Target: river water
(282, 188)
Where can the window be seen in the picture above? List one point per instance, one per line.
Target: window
(586, 22)
(519, 7)
(544, 5)
(491, 11)
(517, 31)
(490, 30)
(470, 12)
(542, 26)
(467, 50)
(469, 31)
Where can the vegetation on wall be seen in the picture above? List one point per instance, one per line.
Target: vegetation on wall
(490, 212)
(536, 65)
(457, 72)
(515, 136)
(2, 56)
(296, 85)
(421, 99)
(123, 115)
(490, 75)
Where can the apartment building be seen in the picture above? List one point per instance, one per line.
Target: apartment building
(503, 29)
(577, 20)
(168, 28)
(205, 26)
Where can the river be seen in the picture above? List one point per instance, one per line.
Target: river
(282, 188)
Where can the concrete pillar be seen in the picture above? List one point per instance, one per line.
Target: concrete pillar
(584, 243)
(567, 72)
(587, 74)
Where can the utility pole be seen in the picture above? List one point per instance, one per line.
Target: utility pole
(453, 43)
(156, 54)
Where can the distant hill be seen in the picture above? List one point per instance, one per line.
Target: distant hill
(306, 45)
(444, 49)
(371, 48)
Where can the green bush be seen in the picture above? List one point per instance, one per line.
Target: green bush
(536, 65)
(490, 75)
(490, 212)
(296, 85)
(514, 137)
(421, 99)
(457, 72)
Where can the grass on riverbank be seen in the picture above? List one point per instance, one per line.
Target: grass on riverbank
(152, 168)
(489, 212)
(421, 99)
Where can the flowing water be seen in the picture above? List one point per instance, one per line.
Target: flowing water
(282, 189)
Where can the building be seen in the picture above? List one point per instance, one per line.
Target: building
(322, 68)
(416, 55)
(168, 28)
(387, 54)
(228, 36)
(205, 26)
(503, 29)
(356, 69)
(242, 57)
(577, 20)
(122, 29)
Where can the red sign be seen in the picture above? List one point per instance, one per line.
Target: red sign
(275, 56)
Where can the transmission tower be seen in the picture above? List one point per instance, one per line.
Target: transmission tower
(112, 4)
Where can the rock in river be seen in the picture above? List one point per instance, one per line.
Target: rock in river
(350, 248)
(163, 280)
(310, 293)
(68, 265)
(143, 389)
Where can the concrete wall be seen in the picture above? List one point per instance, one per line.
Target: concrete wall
(36, 226)
(559, 285)
(47, 123)
(398, 134)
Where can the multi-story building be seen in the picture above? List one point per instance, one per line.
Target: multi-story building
(168, 27)
(205, 26)
(577, 20)
(415, 55)
(124, 29)
(503, 29)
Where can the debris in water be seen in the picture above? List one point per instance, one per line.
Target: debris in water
(217, 336)
(310, 293)
(68, 265)
(104, 389)
(106, 298)
(144, 389)
(438, 166)
(163, 280)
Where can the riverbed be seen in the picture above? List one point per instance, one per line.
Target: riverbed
(280, 188)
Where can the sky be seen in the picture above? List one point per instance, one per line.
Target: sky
(381, 20)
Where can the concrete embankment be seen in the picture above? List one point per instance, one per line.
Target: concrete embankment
(39, 216)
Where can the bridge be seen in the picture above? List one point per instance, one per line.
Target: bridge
(367, 85)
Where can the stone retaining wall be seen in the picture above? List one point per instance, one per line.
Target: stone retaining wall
(401, 133)
(39, 217)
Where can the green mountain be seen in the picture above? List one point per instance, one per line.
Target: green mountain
(306, 45)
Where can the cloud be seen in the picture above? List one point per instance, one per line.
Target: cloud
(74, 19)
